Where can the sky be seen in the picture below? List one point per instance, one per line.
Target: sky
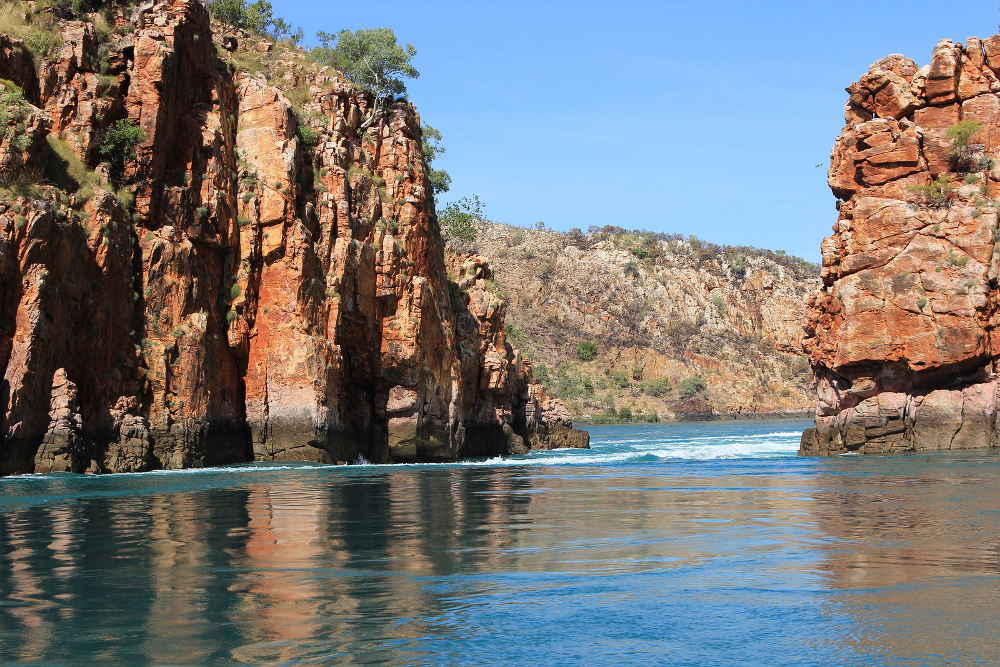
(708, 118)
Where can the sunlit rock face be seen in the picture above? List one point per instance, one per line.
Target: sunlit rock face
(271, 285)
(901, 335)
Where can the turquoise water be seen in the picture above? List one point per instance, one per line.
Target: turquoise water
(701, 543)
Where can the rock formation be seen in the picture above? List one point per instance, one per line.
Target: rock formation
(902, 335)
(269, 283)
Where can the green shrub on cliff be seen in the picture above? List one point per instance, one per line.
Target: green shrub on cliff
(458, 219)
(691, 386)
(14, 112)
(586, 351)
(39, 30)
(430, 145)
(256, 17)
(119, 144)
(936, 193)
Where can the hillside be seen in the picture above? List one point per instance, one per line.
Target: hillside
(663, 312)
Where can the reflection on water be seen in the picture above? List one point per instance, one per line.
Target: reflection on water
(887, 559)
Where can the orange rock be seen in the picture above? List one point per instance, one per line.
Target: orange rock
(909, 300)
(261, 299)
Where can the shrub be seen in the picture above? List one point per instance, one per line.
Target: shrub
(430, 145)
(458, 219)
(256, 17)
(307, 135)
(516, 334)
(586, 351)
(960, 134)
(39, 30)
(936, 193)
(119, 144)
(657, 388)
(14, 112)
(691, 386)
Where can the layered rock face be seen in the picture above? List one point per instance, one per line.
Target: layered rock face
(269, 284)
(902, 334)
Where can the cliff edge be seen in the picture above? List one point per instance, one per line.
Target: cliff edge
(264, 280)
(902, 335)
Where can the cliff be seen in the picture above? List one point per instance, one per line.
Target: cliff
(264, 281)
(901, 335)
(663, 312)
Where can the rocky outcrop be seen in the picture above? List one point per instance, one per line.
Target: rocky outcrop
(266, 282)
(902, 335)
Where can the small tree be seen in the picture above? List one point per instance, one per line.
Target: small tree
(936, 193)
(430, 144)
(119, 144)
(691, 386)
(257, 17)
(586, 351)
(458, 219)
(370, 58)
(960, 134)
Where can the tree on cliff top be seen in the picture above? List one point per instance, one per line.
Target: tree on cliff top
(370, 58)
(257, 17)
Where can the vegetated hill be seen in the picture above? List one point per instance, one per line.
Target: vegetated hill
(681, 327)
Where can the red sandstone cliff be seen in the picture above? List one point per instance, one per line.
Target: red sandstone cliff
(257, 297)
(902, 335)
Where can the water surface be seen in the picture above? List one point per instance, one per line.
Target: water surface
(683, 543)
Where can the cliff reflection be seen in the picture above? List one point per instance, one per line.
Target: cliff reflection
(396, 565)
(268, 572)
(904, 534)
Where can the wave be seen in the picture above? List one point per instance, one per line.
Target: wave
(654, 444)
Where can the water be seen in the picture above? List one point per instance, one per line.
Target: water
(685, 544)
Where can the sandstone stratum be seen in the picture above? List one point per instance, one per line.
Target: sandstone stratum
(270, 283)
(902, 335)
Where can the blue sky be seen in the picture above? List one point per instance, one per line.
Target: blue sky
(704, 118)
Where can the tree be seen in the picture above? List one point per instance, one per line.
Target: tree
(430, 144)
(458, 219)
(960, 134)
(119, 144)
(586, 351)
(257, 17)
(691, 386)
(370, 58)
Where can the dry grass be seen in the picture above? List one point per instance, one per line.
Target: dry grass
(40, 32)
(67, 171)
